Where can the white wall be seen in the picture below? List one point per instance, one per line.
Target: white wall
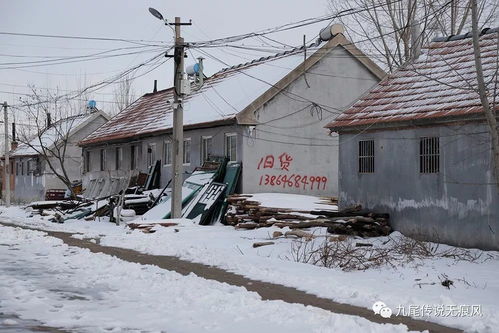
(336, 81)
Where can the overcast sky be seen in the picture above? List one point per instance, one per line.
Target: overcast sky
(130, 19)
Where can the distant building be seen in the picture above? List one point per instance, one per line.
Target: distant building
(31, 175)
(417, 146)
(268, 114)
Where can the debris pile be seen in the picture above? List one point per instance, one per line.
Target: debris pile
(245, 213)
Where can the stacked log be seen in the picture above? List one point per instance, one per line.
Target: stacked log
(244, 213)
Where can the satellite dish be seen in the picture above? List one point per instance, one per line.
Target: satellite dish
(155, 13)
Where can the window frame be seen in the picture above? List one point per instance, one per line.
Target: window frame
(151, 154)
(167, 152)
(118, 158)
(102, 160)
(86, 161)
(227, 153)
(133, 157)
(204, 155)
(429, 155)
(366, 156)
(186, 158)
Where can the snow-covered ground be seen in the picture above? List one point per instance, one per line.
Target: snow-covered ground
(41, 278)
(409, 286)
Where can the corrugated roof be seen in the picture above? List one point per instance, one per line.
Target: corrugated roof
(440, 83)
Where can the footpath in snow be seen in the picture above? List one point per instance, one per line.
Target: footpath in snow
(43, 279)
(405, 287)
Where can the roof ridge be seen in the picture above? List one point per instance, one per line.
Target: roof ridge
(296, 49)
(464, 36)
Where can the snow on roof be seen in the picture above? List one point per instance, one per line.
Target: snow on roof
(223, 95)
(51, 135)
(440, 83)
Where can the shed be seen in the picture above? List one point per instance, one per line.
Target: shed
(418, 146)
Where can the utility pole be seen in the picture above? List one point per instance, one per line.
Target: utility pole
(181, 87)
(6, 169)
(178, 124)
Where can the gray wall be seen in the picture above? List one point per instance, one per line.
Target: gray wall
(336, 81)
(459, 205)
(218, 149)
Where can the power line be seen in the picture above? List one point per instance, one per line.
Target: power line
(42, 63)
(133, 41)
(77, 93)
(288, 26)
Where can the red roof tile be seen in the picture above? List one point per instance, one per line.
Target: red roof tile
(440, 83)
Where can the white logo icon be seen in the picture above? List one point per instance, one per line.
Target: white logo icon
(381, 309)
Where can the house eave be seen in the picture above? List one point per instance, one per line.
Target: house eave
(413, 123)
(122, 138)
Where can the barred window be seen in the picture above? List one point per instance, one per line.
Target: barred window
(366, 156)
(429, 154)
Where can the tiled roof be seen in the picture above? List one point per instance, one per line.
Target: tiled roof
(221, 98)
(440, 83)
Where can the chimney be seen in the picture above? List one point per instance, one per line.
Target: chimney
(49, 120)
(155, 86)
(13, 144)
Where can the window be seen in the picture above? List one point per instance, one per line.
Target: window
(366, 156)
(151, 154)
(206, 144)
(22, 168)
(17, 168)
(187, 151)
(133, 157)
(231, 146)
(118, 157)
(167, 152)
(429, 155)
(102, 159)
(86, 161)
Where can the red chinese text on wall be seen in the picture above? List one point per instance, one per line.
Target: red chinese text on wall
(282, 164)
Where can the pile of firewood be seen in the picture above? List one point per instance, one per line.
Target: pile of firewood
(245, 213)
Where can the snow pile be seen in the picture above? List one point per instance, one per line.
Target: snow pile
(292, 201)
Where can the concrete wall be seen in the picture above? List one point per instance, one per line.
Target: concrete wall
(336, 81)
(218, 149)
(459, 205)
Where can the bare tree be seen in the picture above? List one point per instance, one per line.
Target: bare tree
(123, 94)
(53, 121)
(392, 31)
(483, 90)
